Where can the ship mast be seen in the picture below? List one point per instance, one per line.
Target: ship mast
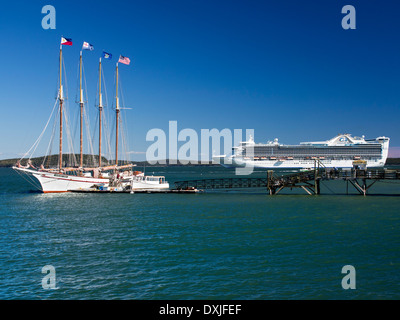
(117, 119)
(81, 110)
(100, 112)
(60, 98)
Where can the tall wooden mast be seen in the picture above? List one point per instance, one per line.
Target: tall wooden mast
(117, 119)
(100, 112)
(81, 111)
(61, 99)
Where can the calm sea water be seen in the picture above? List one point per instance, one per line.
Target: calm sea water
(216, 245)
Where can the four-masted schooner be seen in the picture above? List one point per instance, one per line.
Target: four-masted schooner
(64, 179)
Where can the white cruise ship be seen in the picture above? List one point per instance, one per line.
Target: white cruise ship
(338, 152)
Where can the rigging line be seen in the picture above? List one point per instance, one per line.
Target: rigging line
(27, 177)
(87, 119)
(65, 82)
(108, 138)
(126, 133)
(105, 88)
(76, 119)
(95, 128)
(121, 92)
(77, 100)
(89, 141)
(85, 84)
(75, 124)
(124, 142)
(50, 146)
(105, 119)
(124, 123)
(77, 93)
(110, 125)
(71, 156)
(40, 136)
(96, 125)
(34, 182)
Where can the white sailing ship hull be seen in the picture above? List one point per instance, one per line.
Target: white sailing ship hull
(57, 182)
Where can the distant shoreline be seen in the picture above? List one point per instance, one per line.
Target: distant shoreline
(53, 161)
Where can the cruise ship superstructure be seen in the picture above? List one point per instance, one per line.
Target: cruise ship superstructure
(339, 152)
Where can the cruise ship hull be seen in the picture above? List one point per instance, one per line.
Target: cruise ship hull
(230, 162)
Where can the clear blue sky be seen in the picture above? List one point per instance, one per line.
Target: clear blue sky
(286, 69)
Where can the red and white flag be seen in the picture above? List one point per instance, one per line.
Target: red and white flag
(124, 60)
(66, 41)
(87, 46)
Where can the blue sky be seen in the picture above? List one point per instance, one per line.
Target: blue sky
(286, 69)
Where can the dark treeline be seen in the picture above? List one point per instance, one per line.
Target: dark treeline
(88, 161)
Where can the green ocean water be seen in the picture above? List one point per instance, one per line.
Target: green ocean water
(241, 244)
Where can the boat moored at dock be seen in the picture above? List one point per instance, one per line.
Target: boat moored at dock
(75, 175)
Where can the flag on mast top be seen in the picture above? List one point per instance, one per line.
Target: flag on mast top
(107, 55)
(87, 46)
(66, 41)
(124, 60)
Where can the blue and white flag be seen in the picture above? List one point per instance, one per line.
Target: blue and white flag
(87, 46)
(107, 55)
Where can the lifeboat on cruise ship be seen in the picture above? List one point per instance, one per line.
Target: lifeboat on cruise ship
(290, 158)
(272, 158)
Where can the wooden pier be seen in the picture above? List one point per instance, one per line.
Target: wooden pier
(359, 177)
(309, 181)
